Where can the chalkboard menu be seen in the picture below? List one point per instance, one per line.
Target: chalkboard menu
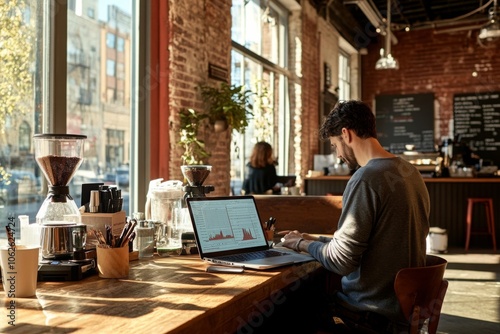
(405, 119)
(477, 121)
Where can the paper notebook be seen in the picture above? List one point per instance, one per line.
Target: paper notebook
(228, 231)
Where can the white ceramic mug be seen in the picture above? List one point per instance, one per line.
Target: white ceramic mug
(19, 270)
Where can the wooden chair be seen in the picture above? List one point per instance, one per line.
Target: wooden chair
(421, 292)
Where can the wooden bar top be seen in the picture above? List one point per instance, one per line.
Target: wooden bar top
(161, 295)
(426, 179)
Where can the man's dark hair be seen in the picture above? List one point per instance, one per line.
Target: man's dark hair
(353, 115)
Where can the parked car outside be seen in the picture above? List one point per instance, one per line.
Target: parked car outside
(20, 187)
(81, 176)
(107, 178)
(122, 177)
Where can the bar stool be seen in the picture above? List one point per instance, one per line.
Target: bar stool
(490, 220)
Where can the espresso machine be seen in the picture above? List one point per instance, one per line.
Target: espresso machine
(195, 176)
(62, 236)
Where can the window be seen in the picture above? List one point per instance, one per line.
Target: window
(25, 136)
(65, 97)
(115, 148)
(72, 5)
(110, 40)
(105, 121)
(120, 46)
(259, 34)
(120, 71)
(344, 77)
(110, 68)
(20, 100)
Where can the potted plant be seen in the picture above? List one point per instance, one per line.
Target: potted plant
(225, 106)
(229, 105)
(194, 148)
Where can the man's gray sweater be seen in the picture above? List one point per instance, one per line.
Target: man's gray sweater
(382, 229)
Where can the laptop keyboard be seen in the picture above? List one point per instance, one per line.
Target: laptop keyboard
(252, 256)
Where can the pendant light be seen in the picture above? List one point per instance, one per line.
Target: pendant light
(491, 30)
(386, 60)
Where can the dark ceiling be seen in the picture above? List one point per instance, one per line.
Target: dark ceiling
(421, 14)
(347, 16)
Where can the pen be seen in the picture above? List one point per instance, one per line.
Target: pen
(128, 239)
(124, 233)
(129, 233)
(268, 223)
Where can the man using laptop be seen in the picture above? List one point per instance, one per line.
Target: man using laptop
(382, 228)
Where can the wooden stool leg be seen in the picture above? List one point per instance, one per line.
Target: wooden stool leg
(491, 223)
(469, 223)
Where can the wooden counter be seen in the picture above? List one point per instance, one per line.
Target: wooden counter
(162, 295)
(448, 203)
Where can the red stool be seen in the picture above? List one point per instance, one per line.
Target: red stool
(490, 220)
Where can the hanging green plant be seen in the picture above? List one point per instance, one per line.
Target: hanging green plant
(229, 103)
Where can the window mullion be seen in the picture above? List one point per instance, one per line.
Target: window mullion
(56, 73)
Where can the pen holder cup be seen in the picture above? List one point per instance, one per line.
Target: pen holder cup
(98, 221)
(113, 262)
(269, 235)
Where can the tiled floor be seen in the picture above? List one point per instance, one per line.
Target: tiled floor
(472, 302)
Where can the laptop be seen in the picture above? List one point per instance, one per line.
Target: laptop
(228, 232)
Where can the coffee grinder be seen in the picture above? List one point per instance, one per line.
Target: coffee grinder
(62, 236)
(58, 156)
(196, 175)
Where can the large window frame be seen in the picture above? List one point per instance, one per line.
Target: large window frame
(344, 76)
(269, 71)
(54, 119)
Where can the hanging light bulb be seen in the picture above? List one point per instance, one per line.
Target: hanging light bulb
(491, 30)
(387, 61)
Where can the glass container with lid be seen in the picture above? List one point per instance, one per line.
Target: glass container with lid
(58, 156)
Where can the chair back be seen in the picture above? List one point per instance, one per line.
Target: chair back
(421, 291)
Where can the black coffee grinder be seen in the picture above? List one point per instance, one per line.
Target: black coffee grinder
(196, 175)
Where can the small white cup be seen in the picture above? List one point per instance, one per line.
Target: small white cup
(19, 270)
(294, 191)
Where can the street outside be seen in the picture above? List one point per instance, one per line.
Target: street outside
(13, 210)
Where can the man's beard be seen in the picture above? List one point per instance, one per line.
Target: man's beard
(349, 157)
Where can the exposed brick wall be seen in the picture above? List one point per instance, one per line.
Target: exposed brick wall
(310, 87)
(200, 33)
(439, 63)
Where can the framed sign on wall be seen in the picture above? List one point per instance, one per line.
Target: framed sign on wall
(405, 120)
(476, 121)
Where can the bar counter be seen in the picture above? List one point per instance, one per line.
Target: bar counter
(161, 295)
(448, 203)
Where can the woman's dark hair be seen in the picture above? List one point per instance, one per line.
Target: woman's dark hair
(262, 155)
(353, 115)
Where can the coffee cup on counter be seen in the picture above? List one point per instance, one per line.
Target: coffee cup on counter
(19, 270)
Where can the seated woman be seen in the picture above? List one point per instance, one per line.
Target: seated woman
(261, 174)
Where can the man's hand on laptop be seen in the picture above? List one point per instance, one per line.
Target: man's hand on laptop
(296, 240)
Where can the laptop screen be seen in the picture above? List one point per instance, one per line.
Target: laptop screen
(225, 224)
